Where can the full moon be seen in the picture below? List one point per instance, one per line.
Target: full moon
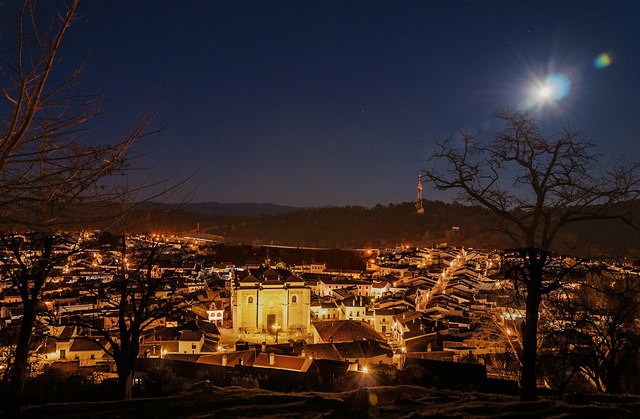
(545, 92)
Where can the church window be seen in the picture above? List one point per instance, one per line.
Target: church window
(250, 300)
(294, 299)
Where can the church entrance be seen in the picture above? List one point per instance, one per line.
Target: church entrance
(271, 320)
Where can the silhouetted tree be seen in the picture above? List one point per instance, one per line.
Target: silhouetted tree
(49, 177)
(134, 296)
(535, 186)
(494, 330)
(600, 317)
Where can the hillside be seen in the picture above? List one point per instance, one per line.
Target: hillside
(382, 226)
(374, 402)
(239, 209)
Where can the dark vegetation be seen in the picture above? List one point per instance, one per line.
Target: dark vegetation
(396, 401)
(385, 225)
(246, 254)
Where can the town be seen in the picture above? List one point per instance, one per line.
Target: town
(270, 324)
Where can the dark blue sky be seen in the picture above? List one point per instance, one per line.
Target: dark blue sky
(313, 103)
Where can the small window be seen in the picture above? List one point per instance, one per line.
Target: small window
(294, 299)
(250, 300)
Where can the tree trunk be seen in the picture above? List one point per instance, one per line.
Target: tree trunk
(20, 367)
(125, 383)
(611, 371)
(535, 260)
(528, 389)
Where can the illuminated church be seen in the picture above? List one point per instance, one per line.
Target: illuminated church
(270, 300)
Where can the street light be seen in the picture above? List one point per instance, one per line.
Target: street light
(276, 328)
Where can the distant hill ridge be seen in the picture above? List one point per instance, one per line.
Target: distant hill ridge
(353, 227)
(237, 209)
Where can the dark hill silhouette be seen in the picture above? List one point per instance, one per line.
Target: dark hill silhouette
(382, 226)
(360, 227)
(239, 209)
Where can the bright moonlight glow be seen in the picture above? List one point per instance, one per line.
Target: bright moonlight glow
(548, 91)
(545, 92)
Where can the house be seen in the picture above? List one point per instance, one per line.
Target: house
(379, 287)
(326, 309)
(406, 324)
(69, 346)
(87, 351)
(174, 340)
(356, 308)
(383, 319)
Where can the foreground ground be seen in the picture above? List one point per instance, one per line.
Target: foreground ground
(374, 402)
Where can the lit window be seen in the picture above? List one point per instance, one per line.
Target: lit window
(250, 300)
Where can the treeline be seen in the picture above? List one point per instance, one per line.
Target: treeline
(385, 226)
(247, 254)
(353, 226)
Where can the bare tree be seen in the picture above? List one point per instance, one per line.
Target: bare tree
(603, 312)
(494, 330)
(28, 263)
(134, 299)
(560, 348)
(535, 186)
(51, 176)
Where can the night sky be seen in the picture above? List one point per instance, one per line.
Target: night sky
(312, 103)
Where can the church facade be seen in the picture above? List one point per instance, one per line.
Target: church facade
(270, 301)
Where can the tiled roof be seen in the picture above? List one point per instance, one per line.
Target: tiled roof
(233, 358)
(323, 351)
(249, 279)
(84, 345)
(269, 274)
(183, 357)
(408, 316)
(67, 332)
(363, 349)
(207, 327)
(282, 362)
(348, 350)
(345, 331)
(190, 336)
(294, 279)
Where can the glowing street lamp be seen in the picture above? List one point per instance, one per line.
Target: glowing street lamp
(276, 328)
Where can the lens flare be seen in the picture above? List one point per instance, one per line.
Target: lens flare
(547, 92)
(559, 85)
(603, 60)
